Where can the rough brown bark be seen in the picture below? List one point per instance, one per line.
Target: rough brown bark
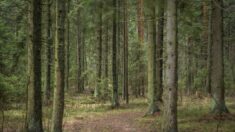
(208, 79)
(140, 19)
(189, 81)
(126, 94)
(34, 103)
(140, 25)
(67, 51)
(58, 101)
(170, 91)
(79, 52)
(217, 67)
(159, 48)
(49, 53)
(115, 102)
(151, 53)
(99, 49)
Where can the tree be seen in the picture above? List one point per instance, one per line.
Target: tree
(159, 48)
(67, 51)
(58, 101)
(115, 102)
(170, 91)
(125, 35)
(79, 51)
(217, 66)
(189, 81)
(100, 41)
(151, 55)
(140, 25)
(49, 52)
(106, 60)
(208, 79)
(34, 104)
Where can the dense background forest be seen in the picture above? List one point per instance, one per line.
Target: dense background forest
(117, 65)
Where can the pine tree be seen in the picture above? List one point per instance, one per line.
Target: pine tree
(34, 104)
(58, 101)
(170, 90)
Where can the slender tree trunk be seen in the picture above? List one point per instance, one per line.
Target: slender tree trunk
(115, 102)
(217, 69)
(140, 25)
(67, 52)
(205, 34)
(151, 53)
(159, 47)
(126, 52)
(208, 80)
(58, 101)
(83, 58)
(79, 52)
(189, 81)
(140, 19)
(119, 55)
(106, 61)
(49, 53)
(34, 104)
(100, 41)
(170, 91)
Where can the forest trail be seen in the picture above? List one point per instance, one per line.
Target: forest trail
(111, 122)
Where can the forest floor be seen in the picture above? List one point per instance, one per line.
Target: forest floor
(110, 122)
(85, 114)
(193, 116)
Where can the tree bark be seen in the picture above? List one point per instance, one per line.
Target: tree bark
(217, 69)
(49, 53)
(208, 80)
(58, 101)
(140, 25)
(67, 51)
(106, 61)
(115, 102)
(126, 52)
(151, 53)
(79, 52)
(189, 81)
(170, 91)
(34, 103)
(159, 48)
(100, 41)
(140, 19)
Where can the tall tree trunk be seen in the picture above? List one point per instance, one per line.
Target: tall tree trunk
(79, 51)
(205, 34)
(151, 53)
(126, 52)
(49, 53)
(159, 47)
(100, 41)
(34, 104)
(140, 25)
(58, 101)
(217, 69)
(106, 60)
(67, 52)
(189, 81)
(170, 91)
(140, 19)
(119, 55)
(115, 101)
(208, 79)
(83, 58)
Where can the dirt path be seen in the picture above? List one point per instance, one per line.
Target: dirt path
(111, 122)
